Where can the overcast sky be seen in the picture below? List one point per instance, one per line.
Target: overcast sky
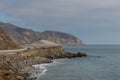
(93, 21)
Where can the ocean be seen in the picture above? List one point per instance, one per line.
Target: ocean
(102, 63)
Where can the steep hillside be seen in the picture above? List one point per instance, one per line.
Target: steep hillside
(20, 35)
(25, 36)
(6, 42)
(60, 38)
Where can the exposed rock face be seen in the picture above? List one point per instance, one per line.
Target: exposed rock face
(6, 42)
(25, 36)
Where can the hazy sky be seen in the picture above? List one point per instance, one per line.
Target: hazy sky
(93, 21)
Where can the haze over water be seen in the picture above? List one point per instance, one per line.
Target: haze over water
(102, 63)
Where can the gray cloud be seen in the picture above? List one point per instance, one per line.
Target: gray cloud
(82, 17)
(56, 8)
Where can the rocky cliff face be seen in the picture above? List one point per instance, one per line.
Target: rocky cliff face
(25, 36)
(6, 42)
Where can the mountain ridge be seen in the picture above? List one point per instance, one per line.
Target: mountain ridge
(61, 37)
(28, 36)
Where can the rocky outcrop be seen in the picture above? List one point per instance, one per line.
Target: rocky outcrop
(25, 36)
(52, 52)
(6, 42)
(74, 55)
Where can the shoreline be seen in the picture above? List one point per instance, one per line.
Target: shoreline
(39, 70)
(11, 64)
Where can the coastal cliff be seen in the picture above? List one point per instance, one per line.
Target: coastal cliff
(15, 67)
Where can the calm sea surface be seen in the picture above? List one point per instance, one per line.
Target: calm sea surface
(102, 63)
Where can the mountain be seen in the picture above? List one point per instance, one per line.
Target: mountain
(27, 36)
(60, 38)
(20, 35)
(6, 42)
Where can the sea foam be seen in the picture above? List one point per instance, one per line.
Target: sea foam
(40, 69)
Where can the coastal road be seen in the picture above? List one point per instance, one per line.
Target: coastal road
(26, 47)
(12, 51)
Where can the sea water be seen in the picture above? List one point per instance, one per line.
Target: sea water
(102, 63)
